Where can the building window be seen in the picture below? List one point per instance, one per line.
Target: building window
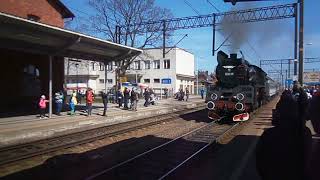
(156, 80)
(136, 65)
(146, 80)
(101, 67)
(33, 17)
(101, 81)
(166, 64)
(92, 66)
(109, 66)
(147, 64)
(109, 81)
(156, 64)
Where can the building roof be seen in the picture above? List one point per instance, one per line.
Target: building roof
(170, 47)
(66, 13)
(24, 35)
(185, 76)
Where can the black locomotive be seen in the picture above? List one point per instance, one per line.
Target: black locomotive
(240, 88)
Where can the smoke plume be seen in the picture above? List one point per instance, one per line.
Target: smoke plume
(262, 32)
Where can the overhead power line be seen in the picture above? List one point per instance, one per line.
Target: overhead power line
(208, 1)
(186, 2)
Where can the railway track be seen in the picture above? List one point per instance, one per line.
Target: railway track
(23, 151)
(162, 160)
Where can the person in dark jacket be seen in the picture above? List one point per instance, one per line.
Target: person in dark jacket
(134, 100)
(146, 97)
(187, 94)
(181, 95)
(166, 93)
(120, 98)
(58, 98)
(283, 151)
(104, 97)
(126, 96)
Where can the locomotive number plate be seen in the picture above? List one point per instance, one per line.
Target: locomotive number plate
(229, 74)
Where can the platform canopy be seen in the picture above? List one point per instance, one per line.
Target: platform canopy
(33, 37)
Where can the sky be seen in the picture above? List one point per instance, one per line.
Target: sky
(263, 40)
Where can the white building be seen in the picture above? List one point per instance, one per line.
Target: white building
(82, 74)
(174, 72)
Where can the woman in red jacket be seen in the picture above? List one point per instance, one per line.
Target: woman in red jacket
(90, 99)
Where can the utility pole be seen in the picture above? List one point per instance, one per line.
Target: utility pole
(164, 39)
(136, 77)
(301, 29)
(295, 61)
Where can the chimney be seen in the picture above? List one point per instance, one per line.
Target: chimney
(233, 56)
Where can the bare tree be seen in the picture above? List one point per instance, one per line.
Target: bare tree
(128, 14)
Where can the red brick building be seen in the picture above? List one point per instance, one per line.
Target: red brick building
(33, 45)
(51, 12)
(24, 76)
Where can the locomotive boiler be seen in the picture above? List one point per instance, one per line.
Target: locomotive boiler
(240, 88)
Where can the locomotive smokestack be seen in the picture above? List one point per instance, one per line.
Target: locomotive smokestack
(233, 56)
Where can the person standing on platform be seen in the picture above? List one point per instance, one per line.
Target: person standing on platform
(120, 97)
(104, 97)
(59, 102)
(79, 96)
(134, 100)
(187, 94)
(43, 106)
(73, 102)
(90, 99)
(166, 93)
(202, 93)
(126, 96)
(146, 97)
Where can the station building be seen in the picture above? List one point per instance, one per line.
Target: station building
(174, 72)
(80, 74)
(33, 45)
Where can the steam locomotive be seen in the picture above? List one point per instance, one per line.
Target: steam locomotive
(240, 88)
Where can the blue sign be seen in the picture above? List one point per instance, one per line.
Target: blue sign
(166, 81)
(289, 82)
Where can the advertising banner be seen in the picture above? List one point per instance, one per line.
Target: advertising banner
(311, 77)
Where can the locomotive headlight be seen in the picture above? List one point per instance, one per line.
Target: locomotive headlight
(240, 96)
(210, 105)
(214, 96)
(239, 106)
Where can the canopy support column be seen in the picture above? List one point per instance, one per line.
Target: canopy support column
(50, 86)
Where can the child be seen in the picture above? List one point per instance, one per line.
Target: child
(73, 103)
(43, 106)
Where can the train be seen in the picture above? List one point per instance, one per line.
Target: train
(240, 89)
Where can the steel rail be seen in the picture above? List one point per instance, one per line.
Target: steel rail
(65, 141)
(198, 130)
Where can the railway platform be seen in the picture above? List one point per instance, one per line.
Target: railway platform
(22, 129)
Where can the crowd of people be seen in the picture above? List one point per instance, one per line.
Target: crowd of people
(72, 102)
(131, 97)
(182, 95)
(128, 99)
(284, 151)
